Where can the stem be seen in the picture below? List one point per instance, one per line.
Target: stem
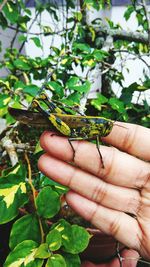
(30, 177)
(34, 194)
(147, 17)
(3, 4)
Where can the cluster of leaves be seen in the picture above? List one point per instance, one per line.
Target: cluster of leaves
(32, 241)
(35, 199)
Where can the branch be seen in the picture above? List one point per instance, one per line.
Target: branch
(118, 34)
(147, 15)
(3, 4)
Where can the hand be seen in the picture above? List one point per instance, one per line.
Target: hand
(106, 196)
(130, 254)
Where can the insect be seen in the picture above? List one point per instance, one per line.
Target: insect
(75, 127)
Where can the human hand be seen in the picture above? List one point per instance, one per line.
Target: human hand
(104, 196)
(131, 256)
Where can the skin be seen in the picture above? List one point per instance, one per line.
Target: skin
(106, 196)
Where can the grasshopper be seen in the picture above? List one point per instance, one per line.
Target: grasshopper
(75, 127)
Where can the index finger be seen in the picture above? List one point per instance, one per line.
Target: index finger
(131, 138)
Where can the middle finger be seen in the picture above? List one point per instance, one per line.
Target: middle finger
(100, 192)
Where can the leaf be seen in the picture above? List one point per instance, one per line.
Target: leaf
(56, 261)
(72, 82)
(36, 41)
(116, 104)
(29, 229)
(3, 21)
(11, 12)
(78, 16)
(72, 260)
(101, 99)
(22, 64)
(22, 38)
(12, 193)
(56, 87)
(100, 55)
(54, 240)
(81, 47)
(48, 202)
(23, 255)
(31, 89)
(74, 238)
(42, 252)
(89, 61)
(4, 100)
(61, 189)
(75, 84)
(128, 12)
(79, 240)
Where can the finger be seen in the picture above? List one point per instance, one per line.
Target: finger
(131, 138)
(112, 222)
(80, 181)
(119, 168)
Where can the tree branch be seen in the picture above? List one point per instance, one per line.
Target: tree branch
(118, 34)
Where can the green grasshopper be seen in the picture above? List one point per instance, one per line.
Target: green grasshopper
(75, 127)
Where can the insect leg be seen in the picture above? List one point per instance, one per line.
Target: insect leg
(75, 139)
(98, 145)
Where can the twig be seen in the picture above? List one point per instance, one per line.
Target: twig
(34, 194)
(3, 4)
(10, 149)
(147, 15)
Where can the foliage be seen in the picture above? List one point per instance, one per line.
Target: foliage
(27, 198)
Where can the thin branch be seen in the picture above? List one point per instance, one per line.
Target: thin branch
(10, 149)
(147, 15)
(118, 34)
(34, 194)
(3, 4)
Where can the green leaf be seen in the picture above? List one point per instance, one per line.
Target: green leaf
(56, 261)
(4, 100)
(22, 64)
(75, 84)
(42, 252)
(29, 229)
(11, 12)
(72, 260)
(48, 202)
(47, 30)
(56, 87)
(22, 38)
(54, 240)
(23, 255)
(82, 47)
(72, 99)
(78, 16)
(89, 61)
(37, 42)
(13, 193)
(100, 55)
(128, 12)
(79, 240)
(3, 21)
(31, 89)
(116, 104)
(44, 181)
(74, 238)
(101, 99)
(72, 82)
